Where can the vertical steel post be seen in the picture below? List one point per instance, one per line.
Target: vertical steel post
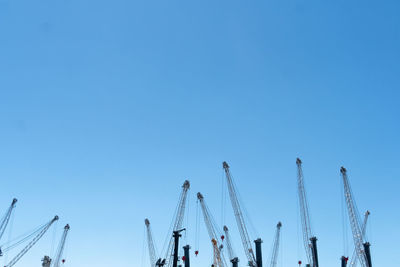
(344, 261)
(368, 253)
(176, 235)
(258, 252)
(235, 262)
(314, 251)
(187, 255)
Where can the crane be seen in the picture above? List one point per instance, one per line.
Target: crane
(177, 223)
(275, 249)
(240, 221)
(232, 255)
(61, 247)
(309, 240)
(150, 244)
(353, 261)
(39, 234)
(6, 218)
(212, 232)
(362, 248)
(47, 261)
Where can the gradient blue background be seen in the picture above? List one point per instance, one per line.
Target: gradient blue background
(107, 106)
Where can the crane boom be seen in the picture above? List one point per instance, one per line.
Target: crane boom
(232, 255)
(150, 244)
(212, 232)
(239, 218)
(6, 218)
(32, 243)
(177, 225)
(353, 261)
(309, 241)
(61, 247)
(354, 221)
(275, 250)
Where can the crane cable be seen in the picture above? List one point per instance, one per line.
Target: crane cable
(345, 228)
(53, 239)
(197, 230)
(299, 238)
(21, 239)
(223, 198)
(143, 246)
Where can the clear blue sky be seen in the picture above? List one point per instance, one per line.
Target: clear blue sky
(107, 106)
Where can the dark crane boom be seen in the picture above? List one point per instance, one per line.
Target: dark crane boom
(6, 218)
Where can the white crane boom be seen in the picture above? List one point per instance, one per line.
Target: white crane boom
(179, 216)
(32, 243)
(353, 261)
(239, 218)
(354, 220)
(212, 232)
(232, 255)
(150, 244)
(61, 247)
(275, 249)
(309, 240)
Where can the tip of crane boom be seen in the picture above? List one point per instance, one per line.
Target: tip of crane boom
(225, 165)
(343, 170)
(14, 201)
(298, 161)
(199, 196)
(367, 212)
(186, 184)
(67, 227)
(279, 225)
(225, 228)
(146, 221)
(55, 218)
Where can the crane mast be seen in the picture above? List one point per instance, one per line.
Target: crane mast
(310, 241)
(6, 218)
(362, 248)
(353, 261)
(212, 233)
(275, 250)
(240, 221)
(180, 214)
(232, 255)
(150, 244)
(32, 243)
(61, 247)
